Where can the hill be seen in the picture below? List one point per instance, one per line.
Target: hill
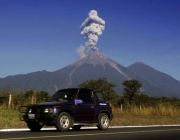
(96, 65)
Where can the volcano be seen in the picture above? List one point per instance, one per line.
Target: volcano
(94, 66)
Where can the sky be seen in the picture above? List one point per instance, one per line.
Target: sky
(38, 35)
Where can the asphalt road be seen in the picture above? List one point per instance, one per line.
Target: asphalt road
(128, 133)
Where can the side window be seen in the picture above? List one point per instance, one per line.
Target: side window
(101, 97)
(86, 96)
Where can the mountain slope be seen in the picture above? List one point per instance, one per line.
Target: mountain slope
(157, 78)
(94, 66)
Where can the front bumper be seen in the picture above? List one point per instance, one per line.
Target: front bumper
(37, 114)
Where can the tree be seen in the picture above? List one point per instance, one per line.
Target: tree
(101, 84)
(37, 96)
(131, 87)
(42, 96)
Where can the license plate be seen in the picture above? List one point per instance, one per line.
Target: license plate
(31, 116)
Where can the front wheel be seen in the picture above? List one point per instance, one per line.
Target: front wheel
(103, 121)
(33, 126)
(63, 122)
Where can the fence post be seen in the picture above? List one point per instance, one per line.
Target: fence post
(9, 104)
(32, 99)
(121, 107)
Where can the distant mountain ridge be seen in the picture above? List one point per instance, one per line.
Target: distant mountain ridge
(96, 65)
(155, 77)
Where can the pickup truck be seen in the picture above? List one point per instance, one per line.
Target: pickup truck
(69, 108)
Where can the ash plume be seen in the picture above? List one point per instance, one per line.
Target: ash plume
(91, 29)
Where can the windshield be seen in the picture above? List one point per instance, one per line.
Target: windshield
(66, 95)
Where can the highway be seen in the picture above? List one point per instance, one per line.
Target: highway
(119, 133)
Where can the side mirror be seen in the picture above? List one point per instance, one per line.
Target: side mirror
(78, 101)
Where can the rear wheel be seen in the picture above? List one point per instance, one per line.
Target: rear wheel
(103, 121)
(33, 126)
(63, 122)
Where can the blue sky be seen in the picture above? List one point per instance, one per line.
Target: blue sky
(38, 35)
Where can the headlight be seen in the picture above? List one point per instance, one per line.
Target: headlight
(49, 110)
(30, 110)
(46, 110)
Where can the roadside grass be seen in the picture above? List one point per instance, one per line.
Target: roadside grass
(143, 120)
(9, 118)
(161, 115)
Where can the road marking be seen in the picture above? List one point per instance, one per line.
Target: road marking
(26, 129)
(97, 134)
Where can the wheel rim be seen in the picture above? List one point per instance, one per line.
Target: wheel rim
(105, 121)
(64, 121)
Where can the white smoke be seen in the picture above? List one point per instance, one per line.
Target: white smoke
(81, 51)
(91, 29)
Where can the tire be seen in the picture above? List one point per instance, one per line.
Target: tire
(33, 126)
(103, 121)
(63, 122)
(76, 127)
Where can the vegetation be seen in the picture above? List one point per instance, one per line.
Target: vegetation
(101, 84)
(132, 108)
(14, 100)
(131, 87)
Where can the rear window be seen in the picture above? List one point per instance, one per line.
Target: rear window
(101, 97)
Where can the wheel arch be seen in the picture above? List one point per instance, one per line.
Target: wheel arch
(105, 111)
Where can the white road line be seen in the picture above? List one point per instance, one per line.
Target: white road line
(26, 129)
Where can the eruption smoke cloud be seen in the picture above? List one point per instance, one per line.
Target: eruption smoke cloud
(91, 29)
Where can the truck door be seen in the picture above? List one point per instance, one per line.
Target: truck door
(85, 112)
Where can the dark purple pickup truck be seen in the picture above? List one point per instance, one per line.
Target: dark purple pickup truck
(72, 107)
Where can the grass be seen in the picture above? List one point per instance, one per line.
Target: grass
(137, 120)
(9, 118)
(161, 115)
